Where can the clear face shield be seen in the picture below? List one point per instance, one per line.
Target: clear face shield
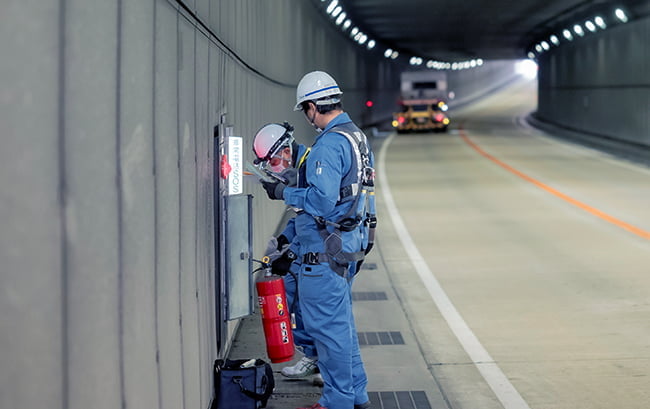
(279, 160)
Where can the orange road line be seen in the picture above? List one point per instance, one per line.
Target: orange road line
(598, 213)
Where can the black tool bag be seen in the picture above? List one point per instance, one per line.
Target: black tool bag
(237, 387)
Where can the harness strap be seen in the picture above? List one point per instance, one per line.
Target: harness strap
(338, 264)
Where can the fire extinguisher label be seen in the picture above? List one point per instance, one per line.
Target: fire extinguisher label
(280, 304)
(285, 332)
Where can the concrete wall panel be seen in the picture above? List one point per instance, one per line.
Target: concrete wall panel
(136, 162)
(94, 350)
(32, 326)
(203, 217)
(188, 204)
(600, 84)
(167, 205)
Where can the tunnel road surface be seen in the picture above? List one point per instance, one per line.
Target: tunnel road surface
(543, 250)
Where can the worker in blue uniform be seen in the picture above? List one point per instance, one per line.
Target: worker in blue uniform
(331, 240)
(280, 156)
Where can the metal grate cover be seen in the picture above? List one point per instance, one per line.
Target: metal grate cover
(381, 338)
(369, 296)
(399, 400)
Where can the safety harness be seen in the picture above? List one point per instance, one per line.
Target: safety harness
(362, 213)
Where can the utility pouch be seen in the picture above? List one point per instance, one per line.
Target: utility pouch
(237, 387)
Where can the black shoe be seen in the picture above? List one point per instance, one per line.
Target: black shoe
(363, 406)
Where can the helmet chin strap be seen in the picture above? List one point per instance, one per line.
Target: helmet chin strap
(311, 120)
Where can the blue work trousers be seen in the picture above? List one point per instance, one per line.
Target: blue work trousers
(301, 338)
(326, 304)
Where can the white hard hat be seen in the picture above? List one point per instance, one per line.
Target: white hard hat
(270, 139)
(317, 86)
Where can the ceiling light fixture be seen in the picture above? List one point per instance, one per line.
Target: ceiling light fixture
(567, 35)
(332, 6)
(578, 30)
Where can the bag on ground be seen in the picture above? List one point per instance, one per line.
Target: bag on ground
(242, 384)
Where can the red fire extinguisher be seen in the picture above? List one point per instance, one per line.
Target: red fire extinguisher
(276, 318)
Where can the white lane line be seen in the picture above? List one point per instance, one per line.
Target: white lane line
(495, 378)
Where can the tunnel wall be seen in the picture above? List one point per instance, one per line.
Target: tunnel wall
(600, 85)
(108, 254)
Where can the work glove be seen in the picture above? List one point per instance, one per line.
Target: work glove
(274, 190)
(291, 175)
(282, 264)
(276, 247)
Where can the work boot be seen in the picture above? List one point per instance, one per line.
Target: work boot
(318, 381)
(315, 406)
(305, 367)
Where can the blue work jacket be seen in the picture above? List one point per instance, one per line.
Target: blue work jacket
(327, 165)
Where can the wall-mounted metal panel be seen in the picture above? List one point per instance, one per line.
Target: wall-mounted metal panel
(238, 253)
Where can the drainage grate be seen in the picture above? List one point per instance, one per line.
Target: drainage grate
(399, 400)
(369, 296)
(380, 338)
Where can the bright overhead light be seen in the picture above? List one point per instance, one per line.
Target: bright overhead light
(388, 53)
(555, 40)
(332, 6)
(347, 24)
(567, 35)
(590, 26)
(340, 18)
(479, 62)
(526, 68)
(545, 45)
(531, 55)
(363, 39)
(371, 44)
(600, 22)
(337, 11)
(538, 48)
(354, 31)
(620, 14)
(578, 30)
(394, 55)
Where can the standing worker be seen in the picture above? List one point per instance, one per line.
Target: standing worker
(330, 231)
(277, 152)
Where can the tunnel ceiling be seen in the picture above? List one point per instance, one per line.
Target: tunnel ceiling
(454, 30)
